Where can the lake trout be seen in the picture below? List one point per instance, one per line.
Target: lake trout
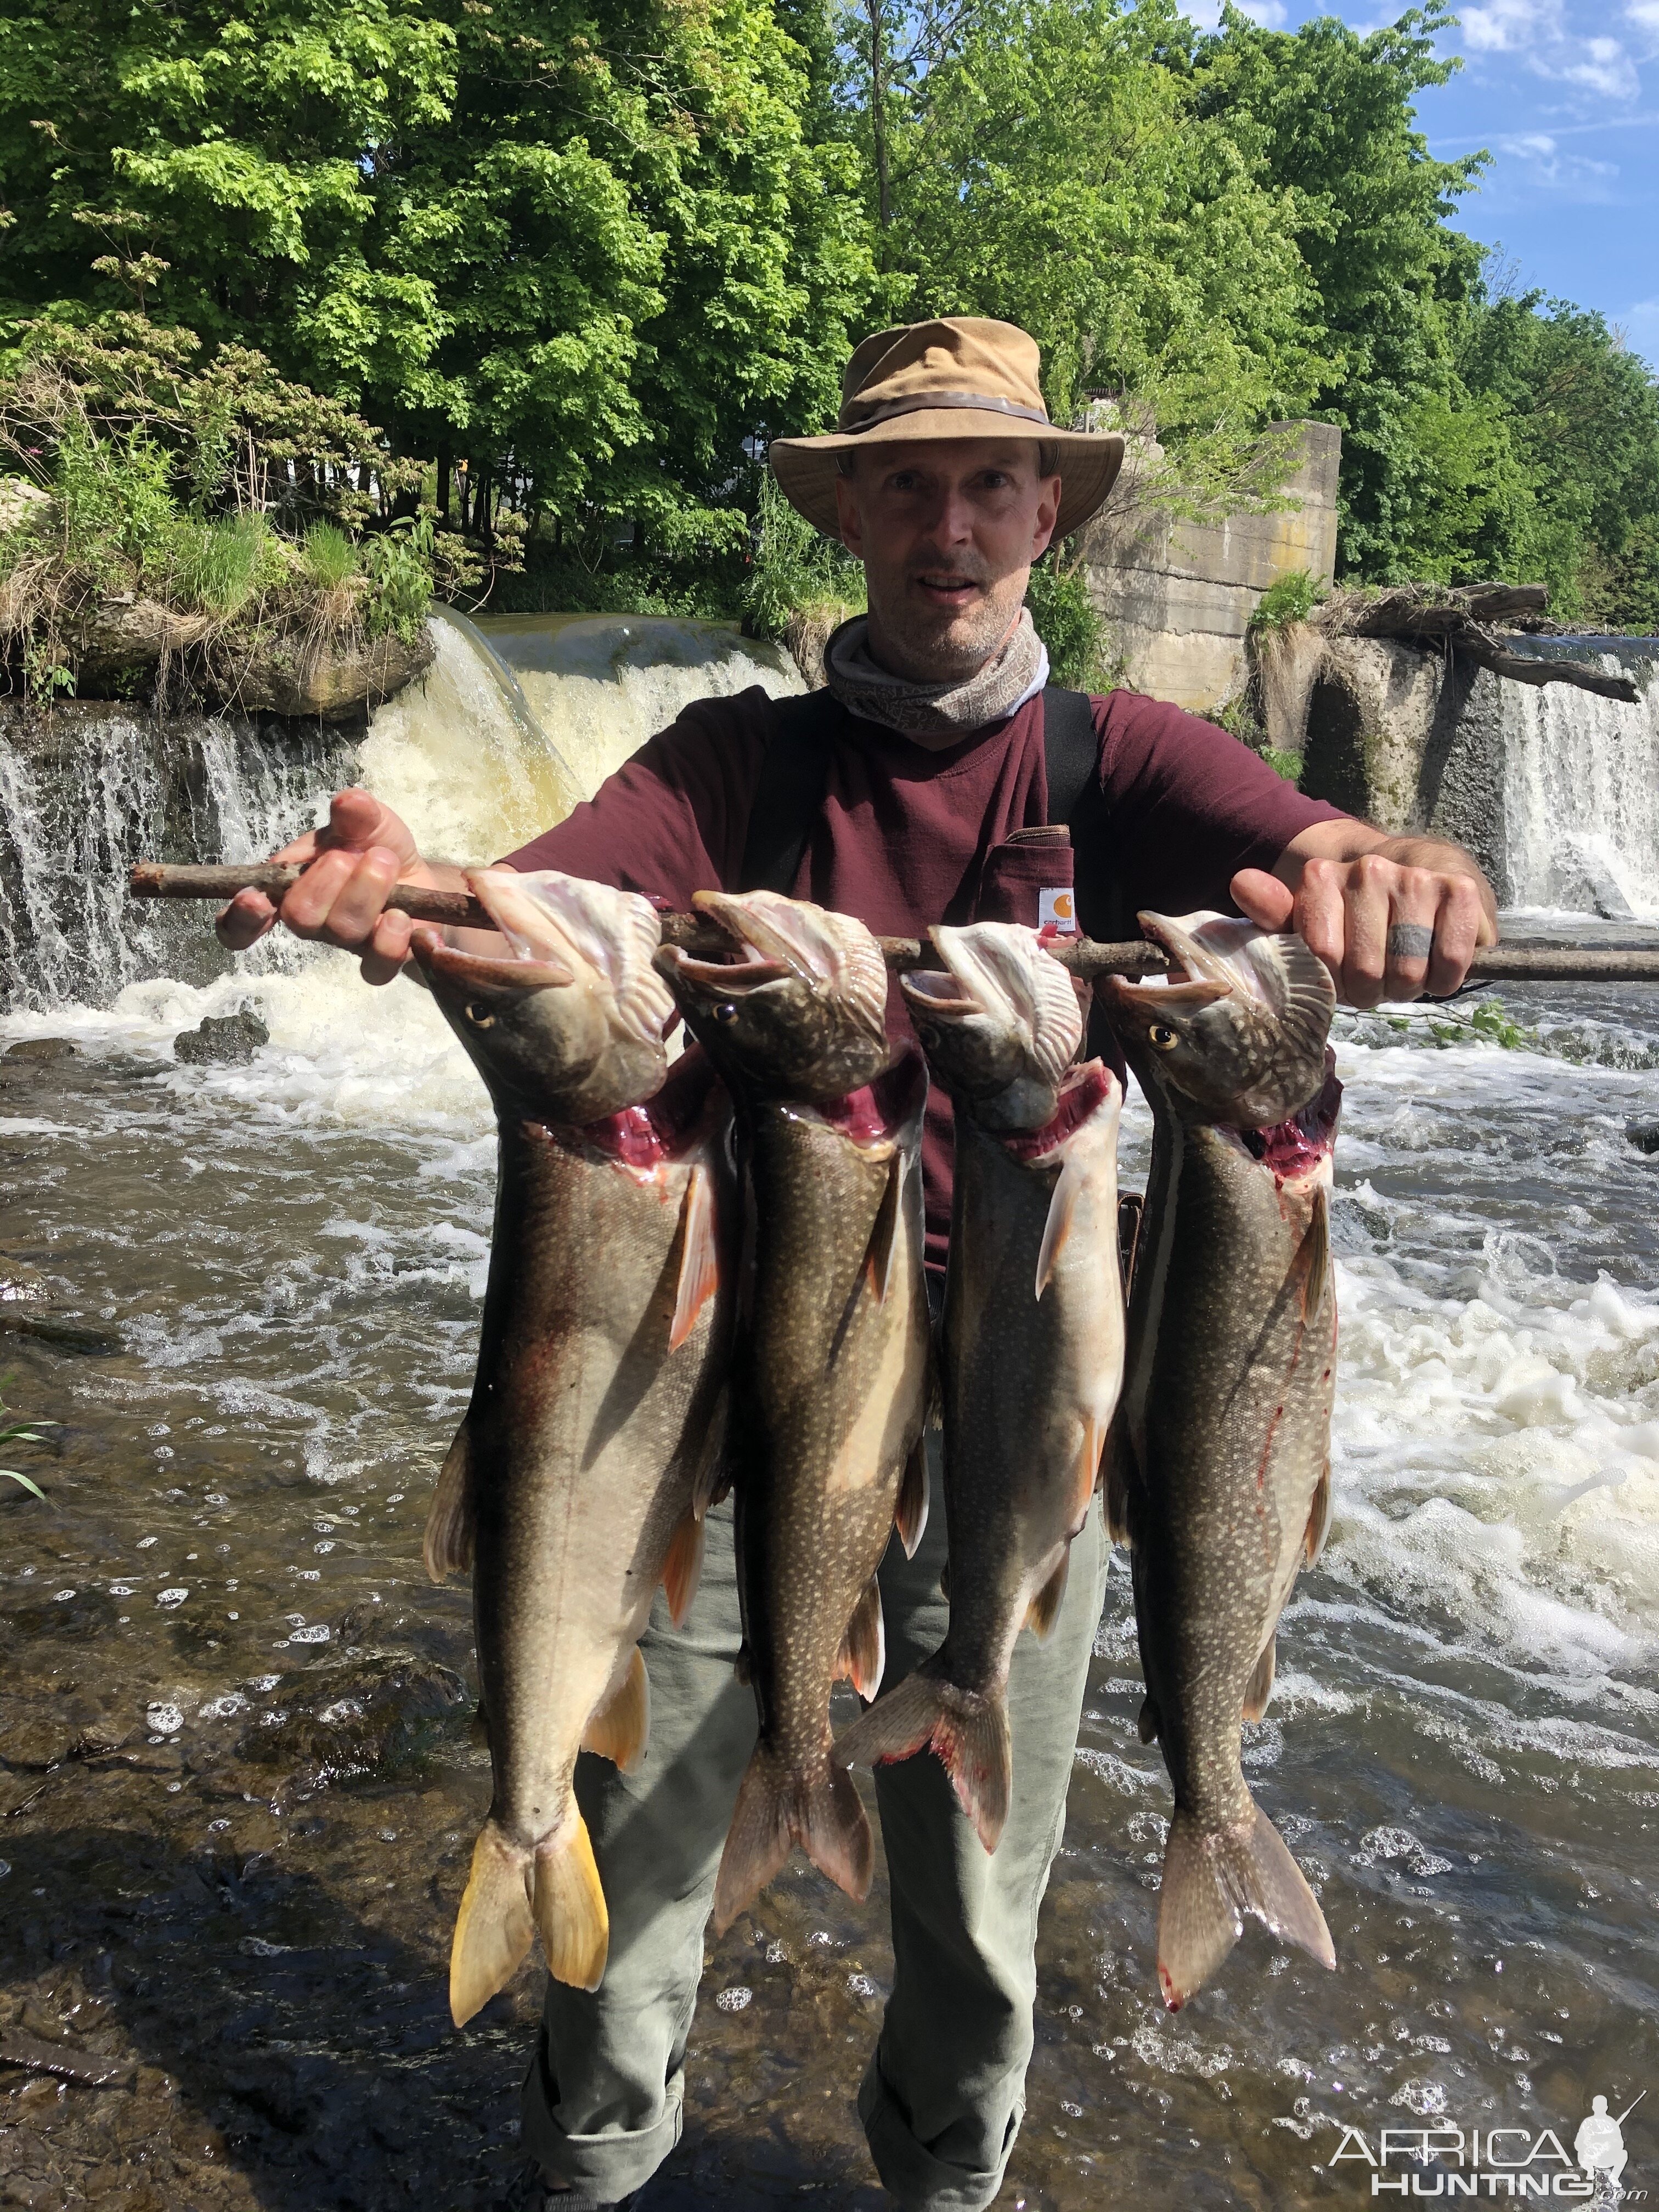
(1031, 1356)
(830, 1382)
(1219, 1474)
(569, 1488)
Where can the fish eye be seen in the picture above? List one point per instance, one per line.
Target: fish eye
(726, 1012)
(479, 1014)
(1163, 1037)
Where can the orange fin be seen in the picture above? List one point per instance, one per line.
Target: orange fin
(1063, 1206)
(1147, 1722)
(883, 1232)
(1044, 1610)
(699, 1270)
(681, 1569)
(910, 1516)
(863, 1655)
(1319, 1516)
(1088, 1466)
(1260, 1687)
(1116, 1473)
(619, 1728)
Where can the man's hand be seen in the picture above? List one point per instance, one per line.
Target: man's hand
(350, 868)
(1391, 917)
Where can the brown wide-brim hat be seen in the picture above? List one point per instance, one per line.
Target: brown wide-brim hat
(962, 376)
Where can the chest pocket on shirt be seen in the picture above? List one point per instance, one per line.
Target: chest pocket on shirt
(1019, 872)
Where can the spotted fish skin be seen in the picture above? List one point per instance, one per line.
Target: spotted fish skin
(830, 1379)
(1031, 1352)
(1218, 1476)
(571, 1491)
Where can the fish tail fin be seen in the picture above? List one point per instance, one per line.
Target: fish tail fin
(1211, 1878)
(571, 1916)
(494, 1926)
(447, 1547)
(776, 1810)
(967, 1729)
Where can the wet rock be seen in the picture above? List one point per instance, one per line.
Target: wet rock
(229, 1040)
(1644, 1135)
(32, 1742)
(41, 1048)
(353, 1719)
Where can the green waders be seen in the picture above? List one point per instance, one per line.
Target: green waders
(943, 2097)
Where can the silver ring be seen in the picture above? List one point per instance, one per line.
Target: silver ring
(1410, 940)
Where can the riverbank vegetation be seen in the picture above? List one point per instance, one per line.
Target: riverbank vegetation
(560, 275)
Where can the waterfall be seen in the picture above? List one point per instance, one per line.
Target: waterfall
(517, 719)
(1581, 790)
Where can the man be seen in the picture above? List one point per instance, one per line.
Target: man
(927, 793)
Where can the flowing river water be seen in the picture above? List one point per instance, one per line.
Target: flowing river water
(239, 1774)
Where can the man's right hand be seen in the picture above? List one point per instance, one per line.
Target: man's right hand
(351, 865)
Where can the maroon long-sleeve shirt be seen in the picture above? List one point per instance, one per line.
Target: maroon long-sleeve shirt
(908, 836)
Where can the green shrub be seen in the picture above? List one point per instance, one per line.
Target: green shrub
(330, 557)
(794, 568)
(398, 566)
(1069, 625)
(1292, 598)
(219, 567)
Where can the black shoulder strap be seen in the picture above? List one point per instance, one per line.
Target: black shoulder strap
(1070, 747)
(788, 794)
(1071, 750)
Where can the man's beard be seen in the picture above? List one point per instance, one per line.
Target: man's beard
(951, 645)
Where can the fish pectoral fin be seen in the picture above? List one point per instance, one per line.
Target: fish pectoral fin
(1319, 1516)
(681, 1569)
(494, 1927)
(862, 1658)
(1062, 1207)
(883, 1247)
(1314, 1254)
(571, 1916)
(910, 1515)
(447, 1548)
(1260, 1687)
(713, 1477)
(1043, 1611)
(618, 1729)
(1117, 1473)
(700, 1258)
(1211, 1878)
(1087, 1474)
(1147, 1723)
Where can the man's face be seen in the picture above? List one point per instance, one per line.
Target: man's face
(947, 533)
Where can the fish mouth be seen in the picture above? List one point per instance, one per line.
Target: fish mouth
(999, 971)
(560, 928)
(776, 939)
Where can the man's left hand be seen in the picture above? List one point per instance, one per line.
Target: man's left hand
(1397, 918)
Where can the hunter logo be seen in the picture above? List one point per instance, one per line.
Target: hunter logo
(1500, 2161)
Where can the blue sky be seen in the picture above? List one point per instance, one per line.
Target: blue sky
(1565, 93)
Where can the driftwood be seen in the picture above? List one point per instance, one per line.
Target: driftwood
(1560, 964)
(1456, 618)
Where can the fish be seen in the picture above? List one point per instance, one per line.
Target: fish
(1218, 1469)
(831, 1376)
(1031, 1351)
(570, 1490)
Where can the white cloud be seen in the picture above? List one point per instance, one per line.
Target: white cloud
(1545, 165)
(1644, 14)
(1271, 13)
(1511, 27)
(1604, 68)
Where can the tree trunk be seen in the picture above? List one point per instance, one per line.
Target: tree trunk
(446, 469)
(878, 14)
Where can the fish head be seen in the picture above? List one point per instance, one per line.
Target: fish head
(800, 1008)
(570, 1027)
(1238, 1035)
(999, 1023)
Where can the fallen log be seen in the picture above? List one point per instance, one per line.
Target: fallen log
(1457, 619)
(1081, 955)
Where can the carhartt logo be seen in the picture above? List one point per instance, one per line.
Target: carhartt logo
(1057, 909)
(1446, 2161)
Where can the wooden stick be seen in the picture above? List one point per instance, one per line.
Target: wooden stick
(1511, 963)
